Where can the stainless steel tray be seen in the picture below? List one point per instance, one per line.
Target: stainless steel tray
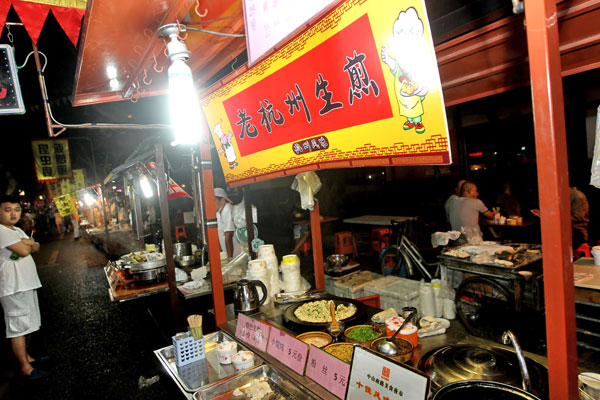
(146, 265)
(204, 372)
(282, 387)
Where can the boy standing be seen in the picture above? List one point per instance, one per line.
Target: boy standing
(18, 283)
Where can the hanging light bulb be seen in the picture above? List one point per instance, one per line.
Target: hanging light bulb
(88, 199)
(145, 185)
(187, 120)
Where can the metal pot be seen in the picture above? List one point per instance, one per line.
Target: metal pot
(482, 390)
(463, 362)
(182, 248)
(155, 275)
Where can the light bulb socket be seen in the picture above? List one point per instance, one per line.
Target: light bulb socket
(176, 49)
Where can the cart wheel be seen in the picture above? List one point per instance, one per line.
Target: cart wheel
(484, 307)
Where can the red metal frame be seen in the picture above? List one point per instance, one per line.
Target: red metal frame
(550, 137)
(317, 244)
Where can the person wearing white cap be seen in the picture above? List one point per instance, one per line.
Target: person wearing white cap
(225, 225)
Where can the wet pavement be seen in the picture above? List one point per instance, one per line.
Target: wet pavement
(98, 349)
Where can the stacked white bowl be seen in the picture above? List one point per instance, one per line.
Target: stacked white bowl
(257, 270)
(290, 270)
(267, 252)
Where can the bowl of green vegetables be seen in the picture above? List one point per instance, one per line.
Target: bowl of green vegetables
(362, 334)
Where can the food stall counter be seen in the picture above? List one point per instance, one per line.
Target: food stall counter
(122, 289)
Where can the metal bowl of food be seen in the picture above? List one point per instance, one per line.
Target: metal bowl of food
(317, 339)
(362, 334)
(405, 349)
(341, 351)
(337, 260)
(185, 261)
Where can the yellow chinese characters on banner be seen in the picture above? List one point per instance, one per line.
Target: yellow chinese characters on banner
(65, 205)
(52, 159)
(358, 87)
(67, 186)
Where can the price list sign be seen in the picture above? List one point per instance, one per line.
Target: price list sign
(328, 371)
(375, 377)
(253, 332)
(287, 349)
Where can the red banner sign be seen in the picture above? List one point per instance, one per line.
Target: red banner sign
(302, 104)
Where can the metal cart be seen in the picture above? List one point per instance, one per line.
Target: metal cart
(492, 295)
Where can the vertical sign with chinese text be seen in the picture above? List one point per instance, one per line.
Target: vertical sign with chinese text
(357, 87)
(52, 159)
(66, 186)
(65, 205)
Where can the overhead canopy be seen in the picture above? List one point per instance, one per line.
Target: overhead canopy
(123, 56)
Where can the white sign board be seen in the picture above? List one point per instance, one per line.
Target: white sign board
(375, 377)
(269, 22)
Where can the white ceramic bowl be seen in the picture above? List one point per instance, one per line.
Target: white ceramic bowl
(225, 350)
(242, 360)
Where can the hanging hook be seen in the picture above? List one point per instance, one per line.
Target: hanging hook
(156, 64)
(137, 49)
(146, 78)
(196, 9)
(135, 96)
(165, 50)
(233, 66)
(182, 38)
(9, 35)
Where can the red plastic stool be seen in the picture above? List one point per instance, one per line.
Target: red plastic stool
(344, 243)
(180, 232)
(582, 251)
(380, 238)
(306, 246)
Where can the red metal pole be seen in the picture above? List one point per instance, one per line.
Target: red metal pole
(317, 245)
(552, 167)
(178, 315)
(212, 234)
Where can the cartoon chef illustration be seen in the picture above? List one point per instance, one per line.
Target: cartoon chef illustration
(406, 55)
(226, 146)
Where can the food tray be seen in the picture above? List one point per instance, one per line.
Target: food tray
(291, 322)
(206, 371)
(282, 387)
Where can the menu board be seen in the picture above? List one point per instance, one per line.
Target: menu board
(253, 332)
(287, 349)
(328, 371)
(375, 377)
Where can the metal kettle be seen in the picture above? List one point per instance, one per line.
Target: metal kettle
(245, 296)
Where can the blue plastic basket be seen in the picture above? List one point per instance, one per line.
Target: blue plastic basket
(188, 349)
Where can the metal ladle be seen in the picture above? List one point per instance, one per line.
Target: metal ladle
(388, 346)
